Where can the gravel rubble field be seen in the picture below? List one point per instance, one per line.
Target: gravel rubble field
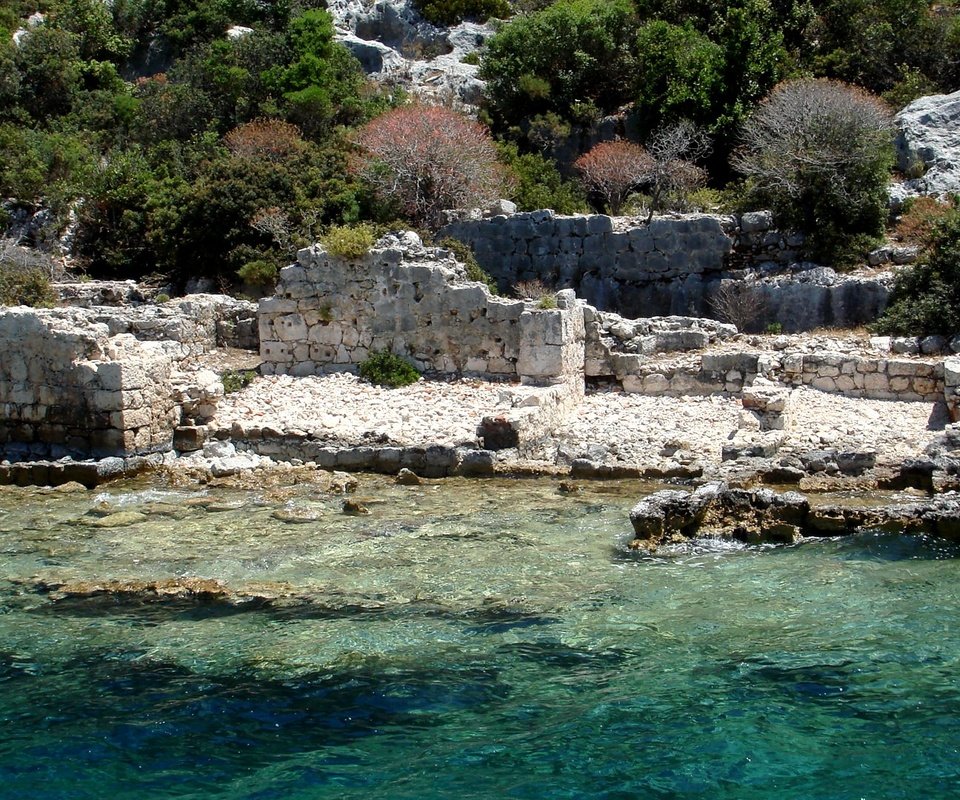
(632, 428)
(344, 408)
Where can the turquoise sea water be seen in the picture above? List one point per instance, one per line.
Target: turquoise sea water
(490, 639)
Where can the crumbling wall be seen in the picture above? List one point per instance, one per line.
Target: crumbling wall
(68, 388)
(675, 265)
(332, 313)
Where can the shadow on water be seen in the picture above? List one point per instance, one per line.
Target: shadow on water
(167, 720)
(884, 546)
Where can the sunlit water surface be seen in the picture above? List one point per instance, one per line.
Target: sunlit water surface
(486, 639)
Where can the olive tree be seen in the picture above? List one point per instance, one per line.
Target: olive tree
(820, 151)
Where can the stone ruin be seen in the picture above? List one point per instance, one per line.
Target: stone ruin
(123, 380)
(115, 381)
(675, 265)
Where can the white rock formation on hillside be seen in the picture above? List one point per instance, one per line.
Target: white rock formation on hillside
(397, 46)
(928, 139)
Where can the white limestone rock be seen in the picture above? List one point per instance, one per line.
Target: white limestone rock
(929, 138)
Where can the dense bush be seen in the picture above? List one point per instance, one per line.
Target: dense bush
(926, 296)
(820, 153)
(24, 286)
(612, 170)
(427, 159)
(451, 12)
(571, 52)
(349, 241)
(536, 183)
(386, 369)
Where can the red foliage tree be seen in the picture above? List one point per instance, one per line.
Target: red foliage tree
(428, 159)
(270, 139)
(613, 170)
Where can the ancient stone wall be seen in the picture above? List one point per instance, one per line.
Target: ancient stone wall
(876, 378)
(111, 381)
(331, 313)
(68, 388)
(198, 322)
(671, 266)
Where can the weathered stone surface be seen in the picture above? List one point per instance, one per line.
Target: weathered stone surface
(674, 265)
(761, 515)
(928, 138)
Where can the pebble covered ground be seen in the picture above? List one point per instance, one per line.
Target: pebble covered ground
(632, 428)
(344, 408)
(639, 428)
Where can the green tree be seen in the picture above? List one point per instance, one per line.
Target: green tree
(678, 74)
(572, 52)
(926, 296)
(49, 65)
(322, 82)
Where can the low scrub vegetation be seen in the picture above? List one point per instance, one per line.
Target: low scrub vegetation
(349, 241)
(387, 369)
(227, 154)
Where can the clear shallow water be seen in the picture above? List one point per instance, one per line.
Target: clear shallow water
(487, 639)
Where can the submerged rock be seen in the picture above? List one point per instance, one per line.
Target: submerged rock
(118, 519)
(407, 477)
(355, 508)
(762, 515)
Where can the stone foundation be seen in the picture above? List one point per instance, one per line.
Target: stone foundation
(97, 382)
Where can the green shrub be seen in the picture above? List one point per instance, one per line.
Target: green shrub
(926, 297)
(538, 184)
(547, 302)
(819, 153)
(260, 273)
(25, 287)
(236, 379)
(386, 369)
(349, 241)
(452, 12)
(571, 52)
(163, 297)
(775, 328)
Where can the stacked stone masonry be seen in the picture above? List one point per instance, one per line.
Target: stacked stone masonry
(331, 313)
(113, 381)
(68, 388)
(676, 265)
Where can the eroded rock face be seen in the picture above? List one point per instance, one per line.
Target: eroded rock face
(929, 138)
(762, 515)
(395, 45)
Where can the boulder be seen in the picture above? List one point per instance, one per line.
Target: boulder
(928, 138)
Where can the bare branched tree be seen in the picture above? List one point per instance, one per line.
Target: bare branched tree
(813, 130)
(673, 151)
(428, 159)
(739, 304)
(613, 170)
(287, 234)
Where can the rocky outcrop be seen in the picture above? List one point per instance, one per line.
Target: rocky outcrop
(396, 46)
(762, 515)
(928, 142)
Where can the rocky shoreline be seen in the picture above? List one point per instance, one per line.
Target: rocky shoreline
(96, 392)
